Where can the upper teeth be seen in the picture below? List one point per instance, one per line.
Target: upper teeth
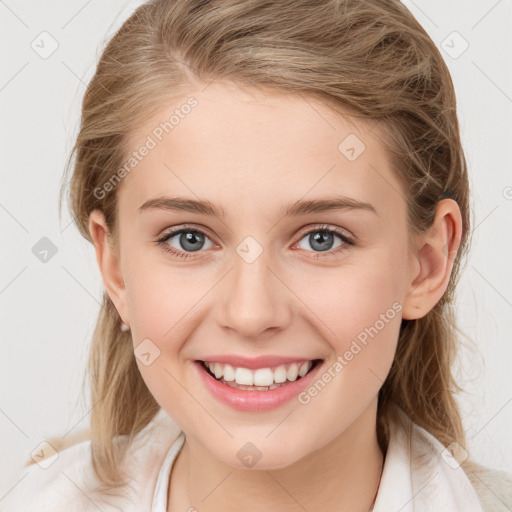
(261, 376)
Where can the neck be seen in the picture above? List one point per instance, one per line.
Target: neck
(342, 475)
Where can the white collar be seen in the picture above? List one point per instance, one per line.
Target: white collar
(419, 474)
(159, 503)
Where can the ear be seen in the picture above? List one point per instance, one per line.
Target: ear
(108, 261)
(432, 260)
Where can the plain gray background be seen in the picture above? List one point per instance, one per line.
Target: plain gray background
(48, 309)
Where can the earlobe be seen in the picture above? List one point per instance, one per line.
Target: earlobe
(108, 262)
(434, 257)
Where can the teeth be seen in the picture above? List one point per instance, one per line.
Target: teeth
(305, 369)
(228, 372)
(262, 376)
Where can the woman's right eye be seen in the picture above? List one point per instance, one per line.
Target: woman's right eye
(190, 239)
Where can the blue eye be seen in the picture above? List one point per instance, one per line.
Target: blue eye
(322, 238)
(192, 240)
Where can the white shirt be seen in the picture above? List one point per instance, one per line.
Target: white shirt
(162, 485)
(418, 475)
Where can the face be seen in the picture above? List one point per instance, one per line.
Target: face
(324, 284)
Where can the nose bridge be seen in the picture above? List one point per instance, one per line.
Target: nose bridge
(253, 298)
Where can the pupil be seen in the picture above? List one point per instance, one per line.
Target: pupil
(319, 238)
(192, 238)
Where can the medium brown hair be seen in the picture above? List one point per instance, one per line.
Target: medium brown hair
(369, 59)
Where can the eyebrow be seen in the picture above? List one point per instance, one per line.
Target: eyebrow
(205, 207)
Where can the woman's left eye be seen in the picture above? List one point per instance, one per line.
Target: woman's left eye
(322, 238)
(192, 240)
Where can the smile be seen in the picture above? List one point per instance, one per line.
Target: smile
(257, 390)
(262, 379)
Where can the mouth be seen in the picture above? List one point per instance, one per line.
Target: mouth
(264, 379)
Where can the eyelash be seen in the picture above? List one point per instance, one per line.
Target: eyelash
(189, 229)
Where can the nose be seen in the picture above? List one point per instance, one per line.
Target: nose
(255, 303)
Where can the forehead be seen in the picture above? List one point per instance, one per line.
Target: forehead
(244, 145)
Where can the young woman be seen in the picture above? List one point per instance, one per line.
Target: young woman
(278, 199)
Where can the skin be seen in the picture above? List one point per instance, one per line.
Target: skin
(251, 153)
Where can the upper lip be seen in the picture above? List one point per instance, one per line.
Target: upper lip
(253, 363)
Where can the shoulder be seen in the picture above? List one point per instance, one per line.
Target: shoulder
(52, 484)
(493, 487)
(67, 481)
(434, 469)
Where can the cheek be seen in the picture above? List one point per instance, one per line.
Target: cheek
(162, 302)
(159, 295)
(358, 309)
(159, 303)
(352, 298)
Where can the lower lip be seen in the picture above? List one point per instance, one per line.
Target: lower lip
(255, 400)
